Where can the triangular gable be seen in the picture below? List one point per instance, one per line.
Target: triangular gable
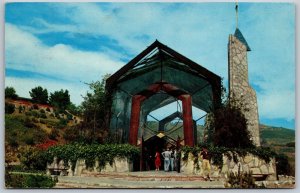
(213, 78)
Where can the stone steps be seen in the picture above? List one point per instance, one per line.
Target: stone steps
(117, 181)
(153, 177)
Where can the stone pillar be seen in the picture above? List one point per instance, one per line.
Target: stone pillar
(239, 85)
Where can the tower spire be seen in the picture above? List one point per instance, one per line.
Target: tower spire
(237, 13)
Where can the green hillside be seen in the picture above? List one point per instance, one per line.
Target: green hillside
(276, 135)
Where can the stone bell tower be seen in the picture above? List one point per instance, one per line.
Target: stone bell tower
(239, 87)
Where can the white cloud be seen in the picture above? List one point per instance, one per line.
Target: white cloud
(277, 105)
(24, 51)
(200, 33)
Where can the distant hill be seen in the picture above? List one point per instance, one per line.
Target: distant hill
(276, 135)
(269, 134)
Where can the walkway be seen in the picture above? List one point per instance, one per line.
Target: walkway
(148, 179)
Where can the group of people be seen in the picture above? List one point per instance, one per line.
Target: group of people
(170, 160)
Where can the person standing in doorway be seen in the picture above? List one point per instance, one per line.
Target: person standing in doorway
(175, 160)
(172, 160)
(157, 161)
(166, 154)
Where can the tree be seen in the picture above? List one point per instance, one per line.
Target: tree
(39, 95)
(60, 99)
(94, 108)
(9, 108)
(10, 92)
(230, 126)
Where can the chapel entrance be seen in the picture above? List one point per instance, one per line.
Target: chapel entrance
(155, 143)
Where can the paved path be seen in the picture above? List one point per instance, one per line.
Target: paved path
(137, 180)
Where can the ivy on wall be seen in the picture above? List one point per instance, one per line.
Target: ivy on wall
(105, 153)
(232, 153)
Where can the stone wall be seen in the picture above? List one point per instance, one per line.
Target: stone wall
(118, 165)
(249, 163)
(239, 85)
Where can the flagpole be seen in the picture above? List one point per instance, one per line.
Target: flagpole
(236, 13)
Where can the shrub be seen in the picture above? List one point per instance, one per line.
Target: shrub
(52, 115)
(103, 153)
(69, 117)
(13, 143)
(72, 134)
(62, 123)
(48, 109)
(28, 123)
(28, 181)
(9, 108)
(42, 111)
(35, 120)
(28, 140)
(35, 113)
(43, 115)
(43, 121)
(57, 114)
(231, 127)
(53, 134)
(20, 109)
(34, 159)
(241, 180)
(35, 106)
(290, 144)
(282, 165)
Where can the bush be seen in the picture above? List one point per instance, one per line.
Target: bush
(72, 134)
(28, 181)
(9, 108)
(47, 109)
(57, 114)
(62, 123)
(290, 144)
(103, 153)
(29, 140)
(35, 106)
(69, 117)
(42, 111)
(20, 109)
(34, 159)
(35, 120)
(53, 134)
(282, 165)
(28, 123)
(43, 121)
(231, 127)
(13, 143)
(241, 180)
(43, 115)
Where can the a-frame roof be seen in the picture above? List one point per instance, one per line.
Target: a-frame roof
(199, 70)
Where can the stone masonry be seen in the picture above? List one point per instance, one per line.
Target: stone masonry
(239, 87)
(249, 163)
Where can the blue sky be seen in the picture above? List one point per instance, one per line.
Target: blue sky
(63, 45)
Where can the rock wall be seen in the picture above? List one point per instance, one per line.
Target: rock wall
(239, 85)
(118, 165)
(258, 167)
